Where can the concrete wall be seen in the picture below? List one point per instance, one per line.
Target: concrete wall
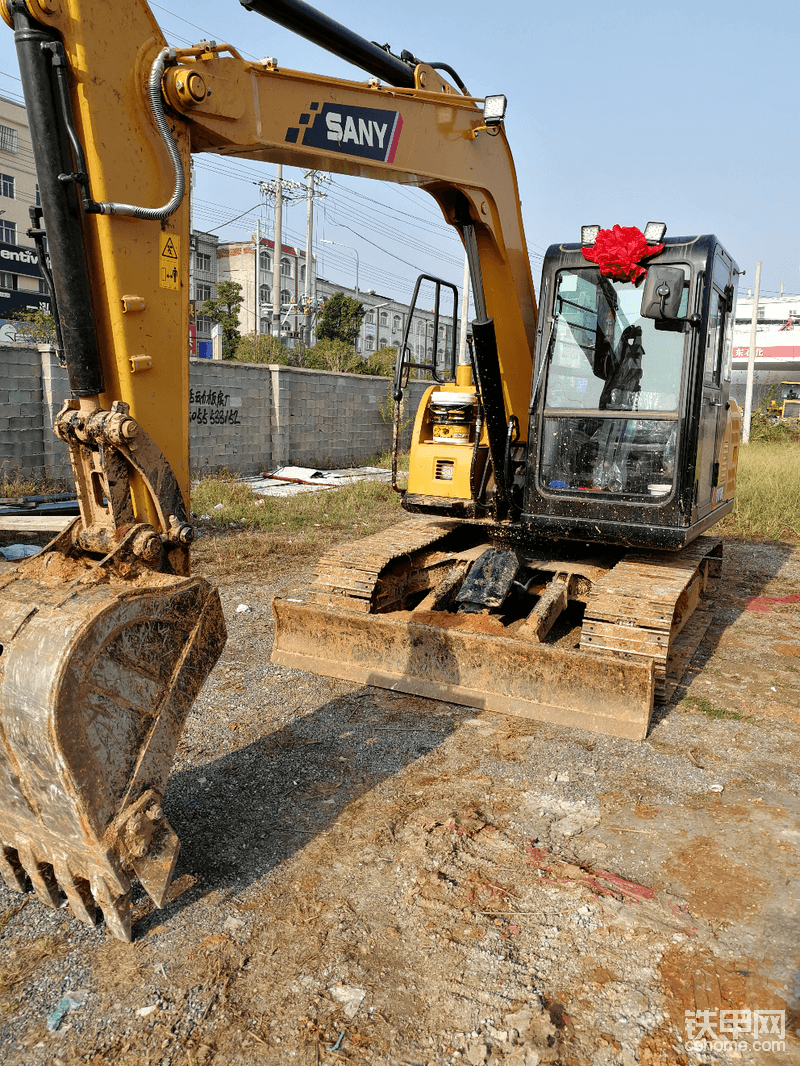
(245, 417)
(32, 389)
(251, 418)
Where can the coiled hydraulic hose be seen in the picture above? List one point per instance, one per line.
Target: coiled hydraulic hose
(157, 107)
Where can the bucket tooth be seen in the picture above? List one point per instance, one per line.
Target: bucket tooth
(79, 894)
(42, 877)
(11, 869)
(116, 910)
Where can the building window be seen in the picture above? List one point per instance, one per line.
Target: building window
(370, 344)
(203, 292)
(38, 197)
(204, 324)
(7, 186)
(762, 313)
(286, 296)
(8, 231)
(384, 318)
(384, 342)
(286, 268)
(397, 323)
(369, 317)
(43, 286)
(264, 293)
(9, 139)
(7, 281)
(265, 261)
(202, 261)
(303, 272)
(420, 328)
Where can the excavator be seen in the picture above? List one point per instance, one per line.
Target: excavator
(562, 478)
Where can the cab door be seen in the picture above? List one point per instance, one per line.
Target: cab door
(713, 409)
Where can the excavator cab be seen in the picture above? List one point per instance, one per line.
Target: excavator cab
(633, 438)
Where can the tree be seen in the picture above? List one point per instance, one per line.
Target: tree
(333, 354)
(265, 348)
(225, 311)
(341, 319)
(38, 327)
(381, 363)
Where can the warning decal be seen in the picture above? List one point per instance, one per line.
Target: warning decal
(169, 261)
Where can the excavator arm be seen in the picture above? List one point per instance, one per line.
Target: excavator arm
(106, 637)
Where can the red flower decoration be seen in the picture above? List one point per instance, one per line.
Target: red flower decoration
(619, 252)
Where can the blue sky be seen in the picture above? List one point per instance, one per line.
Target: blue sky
(617, 113)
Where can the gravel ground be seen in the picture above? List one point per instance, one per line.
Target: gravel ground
(369, 877)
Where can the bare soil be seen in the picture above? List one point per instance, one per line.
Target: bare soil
(368, 877)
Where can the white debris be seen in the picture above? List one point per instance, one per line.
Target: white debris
(243, 608)
(350, 998)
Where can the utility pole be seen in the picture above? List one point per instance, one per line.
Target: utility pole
(309, 241)
(277, 242)
(279, 190)
(751, 359)
(463, 358)
(309, 292)
(258, 280)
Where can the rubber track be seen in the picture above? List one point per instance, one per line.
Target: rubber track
(636, 610)
(348, 574)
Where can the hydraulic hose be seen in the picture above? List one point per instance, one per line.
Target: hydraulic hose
(154, 214)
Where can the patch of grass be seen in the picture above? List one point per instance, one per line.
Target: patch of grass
(9, 913)
(247, 529)
(14, 484)
(384, 460)
(767, 504)
(700, 703)
(23, 961)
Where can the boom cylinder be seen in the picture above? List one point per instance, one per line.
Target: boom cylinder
(307, 22)
(62, 213)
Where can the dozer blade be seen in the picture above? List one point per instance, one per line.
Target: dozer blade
(460, 664)
(97, 675)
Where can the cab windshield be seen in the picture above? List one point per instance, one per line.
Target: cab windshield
(612, 390)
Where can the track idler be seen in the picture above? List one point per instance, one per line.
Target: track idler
(100, 661)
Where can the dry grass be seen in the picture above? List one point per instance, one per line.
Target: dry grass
(22, 961)
(767, 505)
(13, 484)
(243, 528)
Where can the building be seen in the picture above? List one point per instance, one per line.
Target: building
(384, 324)
(202, 286)
(236, 262)
(777, 354)
(21, 284)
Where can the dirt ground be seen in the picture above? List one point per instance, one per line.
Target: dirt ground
(368, 877)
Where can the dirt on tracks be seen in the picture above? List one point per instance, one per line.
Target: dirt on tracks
(369, 877)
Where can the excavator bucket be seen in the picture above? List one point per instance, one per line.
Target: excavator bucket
(99, 665)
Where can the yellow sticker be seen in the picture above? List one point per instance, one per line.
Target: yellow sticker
(169, 260)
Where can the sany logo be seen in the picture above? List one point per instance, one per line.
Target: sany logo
(363, 135)
(363, 131)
